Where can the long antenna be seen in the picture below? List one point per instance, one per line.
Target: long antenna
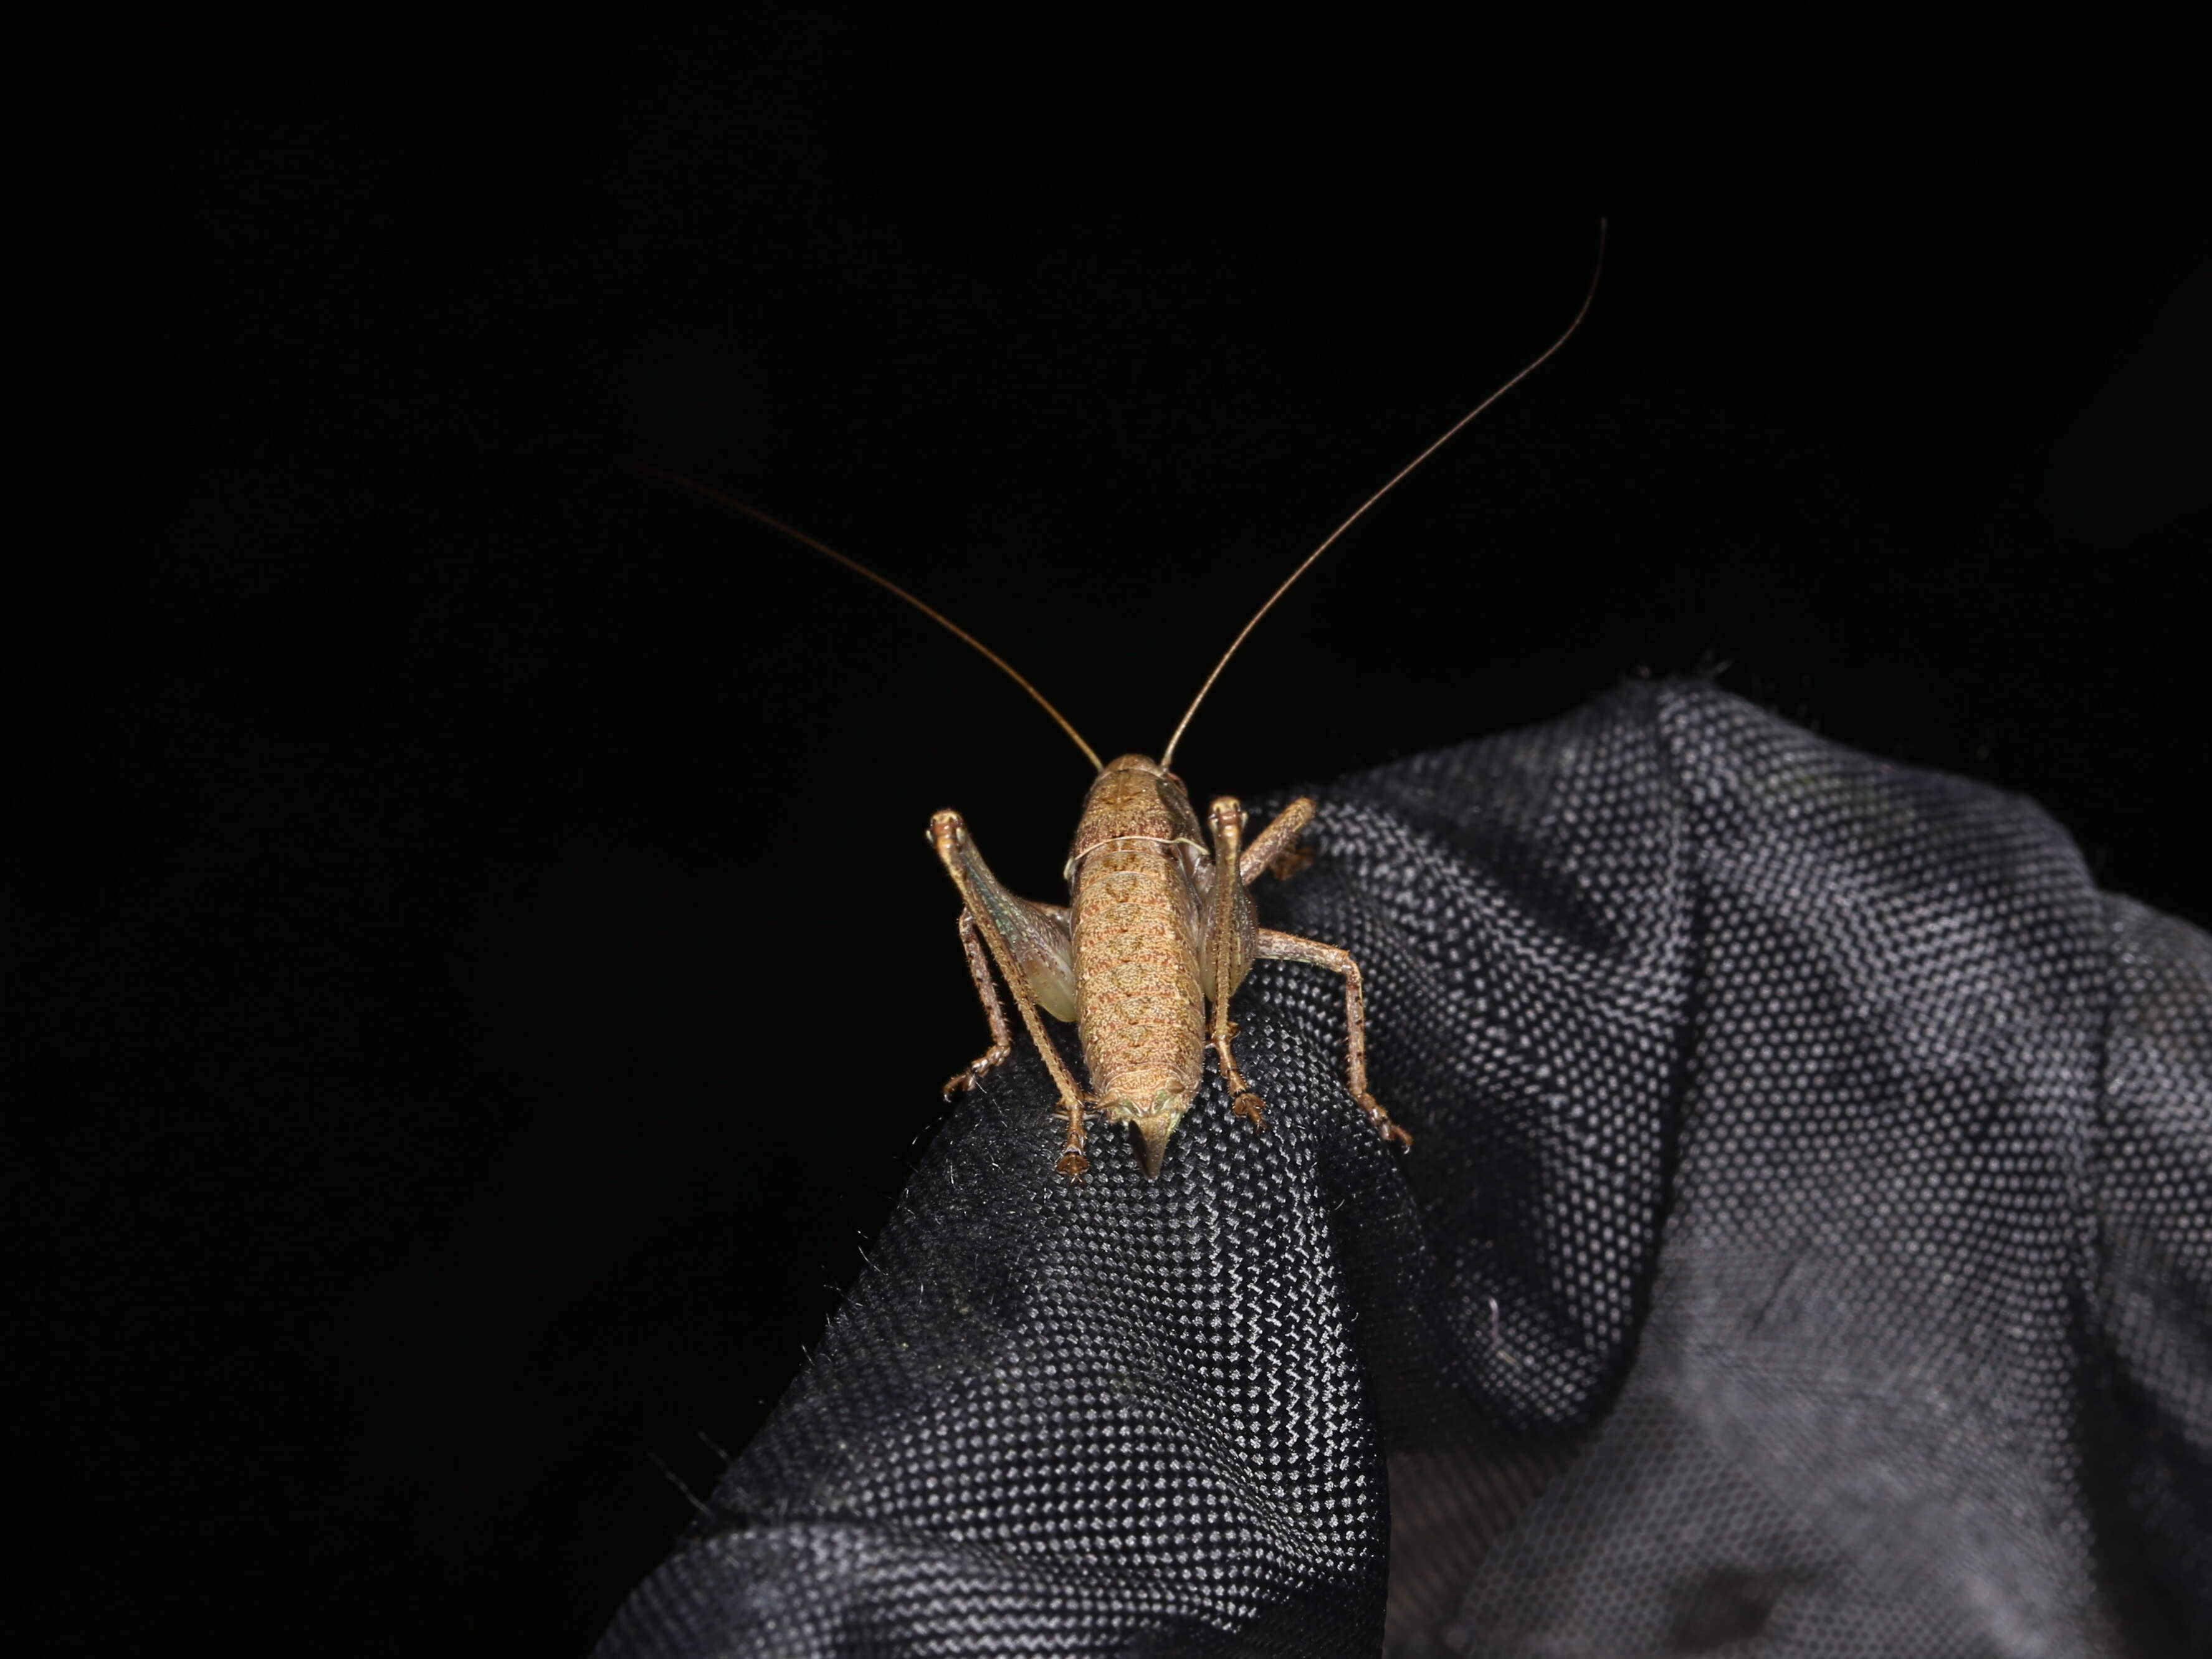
(1167, 754)
(884, 582)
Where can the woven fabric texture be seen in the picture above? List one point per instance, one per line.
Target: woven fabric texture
(1805, 1249)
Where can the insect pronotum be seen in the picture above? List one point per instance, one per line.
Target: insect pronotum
(1159, 929)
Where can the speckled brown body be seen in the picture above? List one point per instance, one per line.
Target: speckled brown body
(1160, 934)
(1138, 870)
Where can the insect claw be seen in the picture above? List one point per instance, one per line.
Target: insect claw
(1073, 1165)
(1381, 1119)
(971, 1075)
(1249, 1106)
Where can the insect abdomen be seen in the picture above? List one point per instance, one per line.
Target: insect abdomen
(1139, 1004)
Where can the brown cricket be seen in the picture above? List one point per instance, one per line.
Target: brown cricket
(1159, 929)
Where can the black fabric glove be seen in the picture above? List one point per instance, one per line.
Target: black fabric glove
(1806, 1248)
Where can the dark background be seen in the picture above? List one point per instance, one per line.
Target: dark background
(475, 971)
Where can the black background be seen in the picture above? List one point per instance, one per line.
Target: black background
(477, 970)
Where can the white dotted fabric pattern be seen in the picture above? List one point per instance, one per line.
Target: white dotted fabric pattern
(1805, 1249)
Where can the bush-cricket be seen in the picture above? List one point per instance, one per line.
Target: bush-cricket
(1159, 930)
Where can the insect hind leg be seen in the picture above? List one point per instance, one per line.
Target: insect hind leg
(948, 834)
(1072, 1164)
(1229, 934)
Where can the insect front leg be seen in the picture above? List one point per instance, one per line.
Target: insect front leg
(1031, 944)
(1289, 947)
(1230, 929)
(1276, 846)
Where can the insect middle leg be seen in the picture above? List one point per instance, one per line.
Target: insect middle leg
(1290, 947)
(987, 992)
